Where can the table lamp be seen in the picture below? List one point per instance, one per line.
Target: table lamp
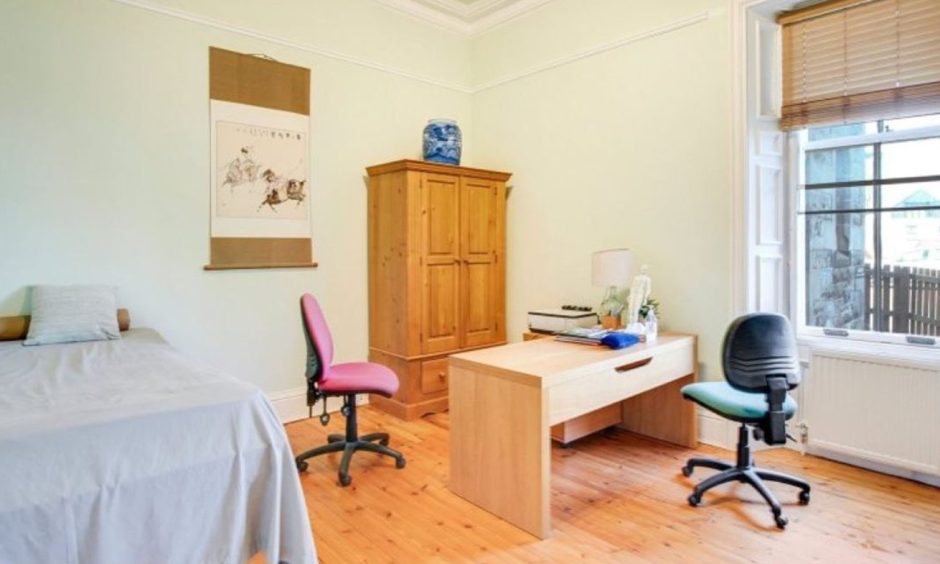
(611, 268)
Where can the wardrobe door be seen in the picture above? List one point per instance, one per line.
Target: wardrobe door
(440, 263)
(482, 209)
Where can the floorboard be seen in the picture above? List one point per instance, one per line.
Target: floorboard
(616, 497)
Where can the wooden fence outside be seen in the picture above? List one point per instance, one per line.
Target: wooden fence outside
(909, 299)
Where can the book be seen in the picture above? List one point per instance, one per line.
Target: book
(584, 335)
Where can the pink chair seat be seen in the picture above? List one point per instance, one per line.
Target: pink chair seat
(359, 378)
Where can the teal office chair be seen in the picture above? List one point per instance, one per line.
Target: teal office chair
(761, 365)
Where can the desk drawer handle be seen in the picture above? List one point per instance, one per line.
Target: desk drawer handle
(632, 365)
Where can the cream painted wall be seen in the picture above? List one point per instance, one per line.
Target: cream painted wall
(104, 158)
(104, 164)
(627, 148)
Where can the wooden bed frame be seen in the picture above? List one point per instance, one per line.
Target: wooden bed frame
(17, 327)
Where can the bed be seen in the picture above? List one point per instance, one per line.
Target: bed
(127, 451)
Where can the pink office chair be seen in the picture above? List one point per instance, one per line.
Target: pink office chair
(325, 379)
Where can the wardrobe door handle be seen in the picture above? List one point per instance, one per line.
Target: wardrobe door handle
(633, 365)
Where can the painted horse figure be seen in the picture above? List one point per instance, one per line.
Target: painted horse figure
(293, 190)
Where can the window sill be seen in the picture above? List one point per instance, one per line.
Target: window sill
(916, 356)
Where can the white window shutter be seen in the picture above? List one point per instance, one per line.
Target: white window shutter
(767, 198)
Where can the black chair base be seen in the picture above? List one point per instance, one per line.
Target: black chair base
(349, 443)
(744, 471)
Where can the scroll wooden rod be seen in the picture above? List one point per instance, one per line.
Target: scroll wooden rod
(259, 266)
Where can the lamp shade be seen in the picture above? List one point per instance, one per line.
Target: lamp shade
(613, 267)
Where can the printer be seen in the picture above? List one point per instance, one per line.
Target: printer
(561, 319)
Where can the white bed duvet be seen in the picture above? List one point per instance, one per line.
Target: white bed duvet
(127, 452)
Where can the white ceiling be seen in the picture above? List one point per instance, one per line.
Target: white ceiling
(465, 16)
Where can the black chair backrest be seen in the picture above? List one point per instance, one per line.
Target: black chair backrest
(758, 346)
(760, 356)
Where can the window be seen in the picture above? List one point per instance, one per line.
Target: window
(868, 219)
(861, 98)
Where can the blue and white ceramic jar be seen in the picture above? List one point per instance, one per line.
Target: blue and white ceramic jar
(442, 141)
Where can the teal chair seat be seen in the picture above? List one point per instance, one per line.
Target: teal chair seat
(733, 404)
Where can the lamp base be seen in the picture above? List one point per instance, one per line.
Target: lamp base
(610, 309)
(611, 322)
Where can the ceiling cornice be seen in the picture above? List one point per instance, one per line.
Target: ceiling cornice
(257, 34)
(468, 19)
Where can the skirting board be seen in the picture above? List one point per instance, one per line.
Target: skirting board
(715, 431)
(928, 479)
(291, 405)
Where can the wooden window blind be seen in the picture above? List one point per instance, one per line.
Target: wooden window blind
(847, 61)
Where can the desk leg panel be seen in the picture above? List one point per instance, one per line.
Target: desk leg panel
(662, 413)
(499, 447)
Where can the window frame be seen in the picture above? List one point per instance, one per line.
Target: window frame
(799, 145)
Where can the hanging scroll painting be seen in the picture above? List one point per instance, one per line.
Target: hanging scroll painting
(260, 169)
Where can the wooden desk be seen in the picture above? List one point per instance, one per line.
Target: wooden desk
(503, 400)
(573, 429)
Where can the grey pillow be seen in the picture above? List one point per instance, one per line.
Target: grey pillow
(68, 314)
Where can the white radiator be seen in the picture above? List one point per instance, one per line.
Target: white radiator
(878, 409)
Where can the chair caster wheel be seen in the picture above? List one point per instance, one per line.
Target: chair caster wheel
(344, 480)
(400, 462)
(302, 465)
(325, 419)
(694, 500)
(781, 521)
(686, 471)
(804, 498)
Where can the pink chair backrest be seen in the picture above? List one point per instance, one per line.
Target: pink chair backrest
(318, 334)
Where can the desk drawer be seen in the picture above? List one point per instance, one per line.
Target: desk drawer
(434, 376)
(615, 383)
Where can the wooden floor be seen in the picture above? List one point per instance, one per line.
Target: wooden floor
(616, 497)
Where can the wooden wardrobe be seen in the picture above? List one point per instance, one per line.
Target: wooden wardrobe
(437, 274)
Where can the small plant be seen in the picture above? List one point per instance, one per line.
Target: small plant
(651, 304)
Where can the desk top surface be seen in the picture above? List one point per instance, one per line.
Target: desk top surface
(548, 362)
